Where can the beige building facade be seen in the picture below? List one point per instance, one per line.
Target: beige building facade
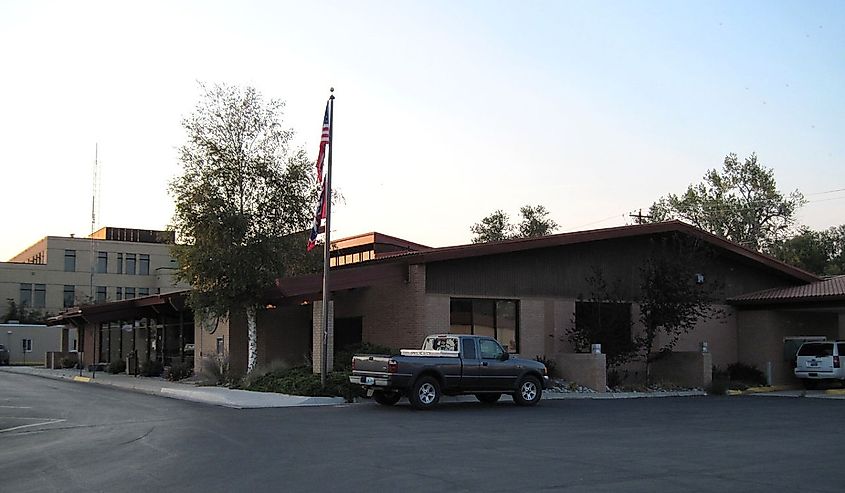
(112, 264)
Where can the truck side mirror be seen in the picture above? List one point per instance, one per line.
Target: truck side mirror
(505, 356)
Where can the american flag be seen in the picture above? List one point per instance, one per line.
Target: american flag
(320, 213)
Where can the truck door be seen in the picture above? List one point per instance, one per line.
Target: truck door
(496, 373)
(471, 363)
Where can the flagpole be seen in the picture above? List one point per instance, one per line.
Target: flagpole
(327, 247)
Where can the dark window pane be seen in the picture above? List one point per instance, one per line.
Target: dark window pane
(506, 324)
(102, 262)
(70, 260)
(26, 296)
(460, 316)
(101, 294)
(144, 264)
(39, 299)
(469, 349)
(129, 293)
(484, 318)
(69, 296)
(130, 264)
(817, 349)
(118, 294)
(143, 291)
(119, 264)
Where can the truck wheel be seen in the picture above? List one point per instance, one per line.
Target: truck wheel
(425, 393)
(386, 398)
(528, 391)
(488, 398)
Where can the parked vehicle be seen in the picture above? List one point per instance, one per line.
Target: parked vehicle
(450, 364)
(820, 360)
(4, 355)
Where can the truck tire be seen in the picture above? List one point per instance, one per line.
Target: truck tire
(386, 398)
(528, 391)
(488, 398)
(425, 393)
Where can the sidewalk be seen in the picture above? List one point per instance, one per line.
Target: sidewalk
(244, 399)
(218, 396)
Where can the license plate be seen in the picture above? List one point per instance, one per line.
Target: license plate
(368, 380)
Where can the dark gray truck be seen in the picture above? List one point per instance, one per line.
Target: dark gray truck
(450, 364)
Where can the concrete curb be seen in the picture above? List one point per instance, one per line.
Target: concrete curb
(621, 395)
(216, 396)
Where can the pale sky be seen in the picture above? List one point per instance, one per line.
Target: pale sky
(445, 111)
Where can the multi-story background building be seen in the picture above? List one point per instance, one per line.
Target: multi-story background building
(109, 265)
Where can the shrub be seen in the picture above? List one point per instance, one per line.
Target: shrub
(300, 381)
(215, 370)
(747, 374)
(275, 366)
(117, 366)
(180, 371)
(614, 378)
(551, 365)
(343, 357)
(720, 382)
(151, 368)
(67, 362)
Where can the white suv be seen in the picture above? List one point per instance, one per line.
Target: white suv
(820, 360)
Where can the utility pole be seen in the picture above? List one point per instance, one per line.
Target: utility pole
(640, 218)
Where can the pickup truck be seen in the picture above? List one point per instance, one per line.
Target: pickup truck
(450, 364)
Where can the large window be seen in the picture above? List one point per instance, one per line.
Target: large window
(486, 317)
(129, 293)
(119, 269)
(118, 293)
(102, 262)
(39, 299)
(143, 264)
(26, 296)
(69, 295)
(70, 260)
(605, 323)
(143, 292)
(101, 294)
(26, 345)
(130, 264)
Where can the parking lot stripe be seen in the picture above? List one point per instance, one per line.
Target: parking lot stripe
(48, 422)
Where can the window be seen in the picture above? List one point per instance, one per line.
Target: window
(143, 291)
(143, 264)
(497, 319)
(118, 294)
(39, 300)
(219, 345)
(69, 295)
(101, 294)
(129, 293)
(102, 262)
(119, 269)
(70, 260)
(26, 345)
(605, 323)
(26, 296)
(469, 349)
(130, 264)
(489, 349)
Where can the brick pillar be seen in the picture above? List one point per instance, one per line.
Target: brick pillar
(317, 337)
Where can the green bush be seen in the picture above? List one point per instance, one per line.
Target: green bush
(180, 371)
(300, 381)
(117, 366)
(343, 356)
(746, 374)
(151, 368)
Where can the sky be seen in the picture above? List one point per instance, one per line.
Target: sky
(445, 111)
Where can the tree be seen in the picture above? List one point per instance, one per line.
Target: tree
(673, 298)
(535, 222)
(497, 227)
(242, 201)
(740, 203)
(23, 314)
(820, 252)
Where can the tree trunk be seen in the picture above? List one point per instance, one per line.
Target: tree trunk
(252, 336)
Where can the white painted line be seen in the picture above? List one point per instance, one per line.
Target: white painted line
(48, 422)
(15, 407)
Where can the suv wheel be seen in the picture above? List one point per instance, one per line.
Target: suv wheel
(425, 394)
(528, 391)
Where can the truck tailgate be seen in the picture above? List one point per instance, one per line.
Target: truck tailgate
(370, 363)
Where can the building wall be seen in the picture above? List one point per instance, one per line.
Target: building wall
(761, 333)
(53, 275)
(43, 339)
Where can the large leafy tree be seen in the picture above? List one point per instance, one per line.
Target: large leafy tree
(242, 200)
(741, 203)
(820, 252)
(497, 226)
